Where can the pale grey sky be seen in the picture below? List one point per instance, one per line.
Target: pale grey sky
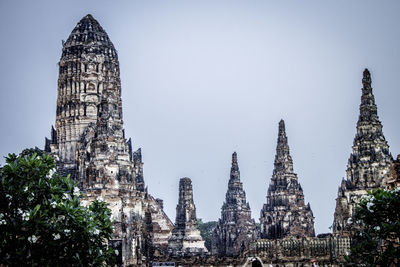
(201, 79)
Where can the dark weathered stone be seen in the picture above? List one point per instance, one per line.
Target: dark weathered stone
(285, 213)
(368, 164)
(186, 239)
(235, 228)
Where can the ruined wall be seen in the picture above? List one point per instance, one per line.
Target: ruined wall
(307, 250)
(288, 251)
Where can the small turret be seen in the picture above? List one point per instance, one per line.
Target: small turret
(138, 164)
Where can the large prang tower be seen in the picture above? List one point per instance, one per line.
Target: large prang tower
(89, 142)
(89, 97)
(285, 213)
(235, 229)
(368, 164)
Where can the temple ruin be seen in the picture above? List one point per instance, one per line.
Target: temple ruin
(89, 144)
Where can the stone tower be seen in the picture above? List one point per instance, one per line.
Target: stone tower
(369, 161)
(89, 89)
(285, 213)
(186, 239)
(89, 142)
(235, 228)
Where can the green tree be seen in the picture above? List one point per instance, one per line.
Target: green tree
(42, 222)
(377, 240)
(206, 229)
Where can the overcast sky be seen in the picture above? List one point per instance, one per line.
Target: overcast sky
(201, 79)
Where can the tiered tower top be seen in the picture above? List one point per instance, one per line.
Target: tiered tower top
(235, 196)
(88, 37)
(283, 161)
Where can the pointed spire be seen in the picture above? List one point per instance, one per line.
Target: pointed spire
(130, 151)
(53, 135)
(235, 165)
(282, 147)
(282, 127)
(368, 109)
(138, 164)
(234, 180)
(283, 160)
(137, 155)
(366, 81)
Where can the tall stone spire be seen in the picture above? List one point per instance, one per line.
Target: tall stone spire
(186, 238)
(369, 162)
(285, 213)
(235, 228)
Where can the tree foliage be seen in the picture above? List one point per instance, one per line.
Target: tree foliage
(42, 222)
(206, 229)
(377, 240)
